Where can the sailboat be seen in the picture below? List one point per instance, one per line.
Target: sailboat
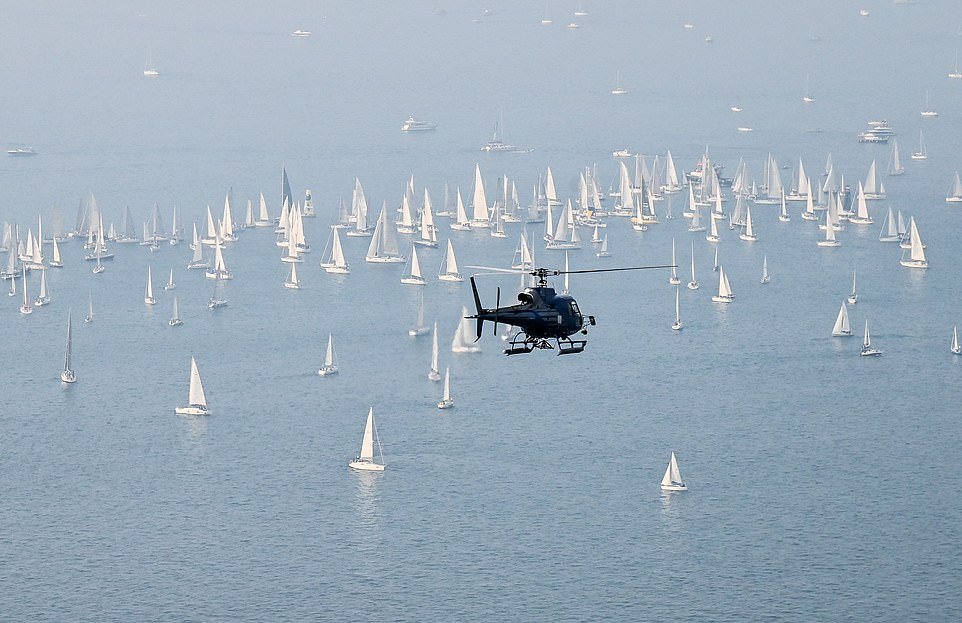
(330, 360)
(672, 480)
(956, 73)
(26, 309)
(196, 400)
(463, 341)
(867, 349)
(725, 294)
(921, 154)
(433, 373)
(955, 194)
(217, 299)
(618, 90)
(895, 161)
(889, 231)
(149, 290)
(766, 278)
(842, 327)
(603, 250)
(365, 459)
(44, 298)
(693, 284)
(449, 266)
(219, 269)
(917, 252)
(749, 232)
(90, 311)
(67, 375)
(383, 248)
(170, 285)
(446, 401)
(712, 228)
(853, 297)
(830, 240)
(673, 277)
(783, 212)
(861, 216)
(292, 282)
(412, 275)
(56, 262)
(927, 111)
(419, 329)
(149, 70)
(955, 349)
(676, 325)
(175, 320)
(337, 264)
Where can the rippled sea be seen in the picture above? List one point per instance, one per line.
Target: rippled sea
(822, 484)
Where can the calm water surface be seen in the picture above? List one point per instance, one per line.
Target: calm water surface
(821, 484)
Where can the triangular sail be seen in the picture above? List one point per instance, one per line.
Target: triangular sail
(196, 395)
(842, 326)
(367, 442)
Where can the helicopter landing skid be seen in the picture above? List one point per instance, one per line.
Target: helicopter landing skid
(522, 344)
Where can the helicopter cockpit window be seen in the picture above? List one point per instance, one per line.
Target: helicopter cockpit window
(573, 307)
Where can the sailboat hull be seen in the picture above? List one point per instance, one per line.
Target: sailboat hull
(446, 404)
(327, 371)
(674, 487)
(191, 410)
(68, 376)
(365, 466)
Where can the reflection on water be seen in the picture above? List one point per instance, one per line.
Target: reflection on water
(196, 426)
(365, 499)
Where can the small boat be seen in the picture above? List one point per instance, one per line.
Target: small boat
(463, 338)
(867, 349)
(829, 240)
(383, 248)
(449, 266)
(927, 111)
(853, 297)
(330, 359)
(364, 461)
(412, 275)
(673, 277)
(725, 294)
(149, 290)
(90, 311)
(618, 90)
(672, 480)
(175, 320)
(336, 263)
(603, 250)
(842, 327)
(170, 285)
(433, 373)
(916, 257)
(808, 98)
(25, 309)
(766, 278)
(292, 282)
(44, 297)
(149, 70)
(895, 161)
(56, 262)
(413, 125)
(419, 329)
(622, 153)
(21, 151)
(217, 299)
(745, 129)
(863, 12)
(955, 194)
(735, 108)
(301, 33)
(921, 154)
(196, 400)
(955, 73)
(446, 401)
(955, 349)
(693, 284)
(889, 232)
(67, 375)
(748, 234)
(676, 325)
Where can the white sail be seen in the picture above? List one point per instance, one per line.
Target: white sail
(917, 250)
(67, 375)
(479, 203)
(149, 290)
(433, 372)
(842, 327)
(383, 247)
(413, 275)
(449, 266)
(463, 340)
(724, 288)
(672, 480)
(336, 263)
(195, 395)
(367, 442)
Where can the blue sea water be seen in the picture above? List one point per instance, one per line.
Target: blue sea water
(821, 483)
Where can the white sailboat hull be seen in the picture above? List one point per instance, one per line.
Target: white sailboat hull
(327, 370)
(365, 466)
(192, 410)
(68, 376)
(445, 404)
(674, 487)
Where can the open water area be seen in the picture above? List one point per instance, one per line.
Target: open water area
(822, 485)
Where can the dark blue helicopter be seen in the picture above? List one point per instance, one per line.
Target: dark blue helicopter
(542, 314)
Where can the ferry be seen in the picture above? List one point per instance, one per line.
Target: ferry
(413, 125)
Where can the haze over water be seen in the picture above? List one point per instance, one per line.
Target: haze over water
(821, 483)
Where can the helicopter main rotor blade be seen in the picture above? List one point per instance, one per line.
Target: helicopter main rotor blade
(608, 270)
(510, 271)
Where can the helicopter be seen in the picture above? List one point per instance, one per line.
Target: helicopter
(541, 315)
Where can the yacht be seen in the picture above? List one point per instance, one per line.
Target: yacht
(413, 125)
(21, 151)
(301, 33)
